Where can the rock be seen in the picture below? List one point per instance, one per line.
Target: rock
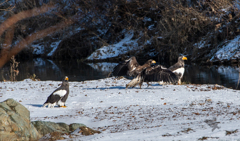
(74, 126)
(52, 137)
(45, 127)
(64, 125)
(88, 131)
(83, 130)
(55, 131)
(15, 122)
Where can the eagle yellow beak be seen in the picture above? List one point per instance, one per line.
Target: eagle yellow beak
(66, 78)
(184, 58)
(153, 62)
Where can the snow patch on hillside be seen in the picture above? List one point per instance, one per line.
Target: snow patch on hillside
(124, 46)
(229, 51)
(201, 44)
(38, 49)
(54, 46)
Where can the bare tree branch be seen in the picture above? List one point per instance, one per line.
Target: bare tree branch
(23, 15)
(7, 44)
(29, 39)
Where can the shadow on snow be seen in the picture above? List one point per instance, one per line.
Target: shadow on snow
(122, 87)
(36, 105)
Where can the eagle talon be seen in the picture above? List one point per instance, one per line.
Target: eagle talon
(63, 106)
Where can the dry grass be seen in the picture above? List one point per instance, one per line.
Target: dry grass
(13, 69)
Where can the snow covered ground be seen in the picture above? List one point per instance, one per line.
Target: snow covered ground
(169, 112)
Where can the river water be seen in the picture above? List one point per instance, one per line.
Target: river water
(48, 70)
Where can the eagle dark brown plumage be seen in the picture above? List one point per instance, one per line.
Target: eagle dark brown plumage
(130, 67)
(154, 74)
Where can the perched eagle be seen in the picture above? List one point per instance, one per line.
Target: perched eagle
(178, 68)
(130, 67)
(59, 96)
(155, 73)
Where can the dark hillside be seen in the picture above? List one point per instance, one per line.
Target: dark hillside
(76, 28)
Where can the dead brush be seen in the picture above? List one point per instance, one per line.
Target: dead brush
(33, 77)
(180, 24)
(13, 72)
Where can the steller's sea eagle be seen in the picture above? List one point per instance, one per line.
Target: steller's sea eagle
(155, 73)
(130, 67)
(178, 68)
(59, 96)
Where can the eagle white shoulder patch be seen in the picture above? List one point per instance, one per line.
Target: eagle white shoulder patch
(61, 93)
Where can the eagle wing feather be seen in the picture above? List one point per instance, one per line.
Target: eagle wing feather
(157, 73)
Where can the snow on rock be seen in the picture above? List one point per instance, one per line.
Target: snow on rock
(229, 51)
(168, 112)
(124, 46)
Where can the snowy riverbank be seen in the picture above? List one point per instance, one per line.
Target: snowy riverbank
(172, 112)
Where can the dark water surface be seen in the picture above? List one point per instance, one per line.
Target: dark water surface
(48, 70)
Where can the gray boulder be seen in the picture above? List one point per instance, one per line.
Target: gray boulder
(74, 126)
(15, 122)
(45, 127)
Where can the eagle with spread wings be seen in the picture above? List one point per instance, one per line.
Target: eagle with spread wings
(130, 67)
(155, 73)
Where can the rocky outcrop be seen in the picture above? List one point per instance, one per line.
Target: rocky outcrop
(15, 122)
(45, 127)
(58, 131)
